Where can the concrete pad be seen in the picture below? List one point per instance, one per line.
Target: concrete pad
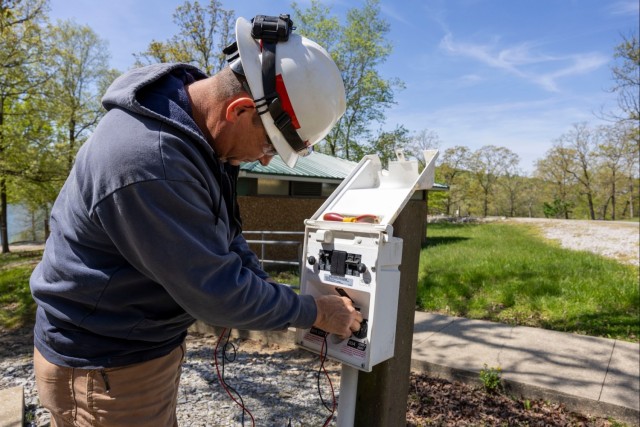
(11, 407)
(567, 363)
(462, 344)
(622, 384)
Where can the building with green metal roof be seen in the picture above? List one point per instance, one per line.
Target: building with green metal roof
(278, 198)
(314, 175)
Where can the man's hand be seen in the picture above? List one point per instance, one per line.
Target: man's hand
(337, 315)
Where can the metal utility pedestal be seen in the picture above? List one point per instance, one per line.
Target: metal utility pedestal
(352, 248)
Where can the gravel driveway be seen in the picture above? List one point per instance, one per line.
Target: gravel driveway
(613, 239)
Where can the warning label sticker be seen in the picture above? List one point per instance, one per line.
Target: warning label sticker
(345, 281)
(315, 335)
(354, 349)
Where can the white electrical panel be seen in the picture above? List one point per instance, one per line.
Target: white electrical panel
(349, 250)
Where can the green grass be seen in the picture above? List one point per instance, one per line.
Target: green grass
(508, 273)
(17, 308)
(288, 277)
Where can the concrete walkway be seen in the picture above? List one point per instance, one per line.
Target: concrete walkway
(596, 376)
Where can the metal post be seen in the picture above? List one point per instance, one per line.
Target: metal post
(348, 391)
(262, 250)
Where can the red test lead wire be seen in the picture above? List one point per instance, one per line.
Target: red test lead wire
(224, 384)
(323, 357)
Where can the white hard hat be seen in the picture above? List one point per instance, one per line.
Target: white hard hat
(305, 94)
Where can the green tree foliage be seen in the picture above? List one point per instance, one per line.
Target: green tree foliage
(80, 73)
(487, 165)
(359, 47)
(386, 145)
(557, 209)
(419, 142)
(51, 79)
(204, 31)
(618, 160)
(612, 150)
(22, 52)
(35, 155)
(626, 77)
(453, 164)
(579, 148)
(553, 169)
(590, 169)
(69, 106)
(512, 184)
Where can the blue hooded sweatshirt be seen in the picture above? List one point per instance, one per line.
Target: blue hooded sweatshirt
(146, 238)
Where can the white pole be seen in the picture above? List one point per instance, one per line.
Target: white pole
(348, 392)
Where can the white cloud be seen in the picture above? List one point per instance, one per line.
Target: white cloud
(470, 80)
(578, 64)
(624, 7)
(391, 11)
(519, 59)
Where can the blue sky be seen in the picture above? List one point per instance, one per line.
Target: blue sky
(513, 73)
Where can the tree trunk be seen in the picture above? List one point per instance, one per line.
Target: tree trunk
(613, 197)
(605, 208)
(631, 200)
(592, 211)
(485, 207)
(72, 143)
(4, 234)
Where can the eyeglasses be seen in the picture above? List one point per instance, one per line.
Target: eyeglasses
(269, 149)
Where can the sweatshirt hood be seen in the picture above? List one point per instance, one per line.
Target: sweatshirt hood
(157, 91)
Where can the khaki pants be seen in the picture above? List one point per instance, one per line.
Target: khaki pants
(143, 394)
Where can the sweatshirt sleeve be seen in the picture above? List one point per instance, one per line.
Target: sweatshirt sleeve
(166, 229)
(249, 259)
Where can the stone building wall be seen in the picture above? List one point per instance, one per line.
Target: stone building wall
(277, 213)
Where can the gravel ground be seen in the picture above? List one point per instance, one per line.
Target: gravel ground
(612, 239)
(278, 385)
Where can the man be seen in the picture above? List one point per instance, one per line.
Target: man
(146, 235)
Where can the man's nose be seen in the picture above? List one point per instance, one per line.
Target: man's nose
(265, 160)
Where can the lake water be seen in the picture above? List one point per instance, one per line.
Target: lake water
(18, 221)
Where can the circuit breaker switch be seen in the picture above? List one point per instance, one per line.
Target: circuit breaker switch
(338, 263)
(361, 259)
(354, 264)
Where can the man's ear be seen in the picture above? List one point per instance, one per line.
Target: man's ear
(237, 107)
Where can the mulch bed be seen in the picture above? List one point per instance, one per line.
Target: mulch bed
(438, 402)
